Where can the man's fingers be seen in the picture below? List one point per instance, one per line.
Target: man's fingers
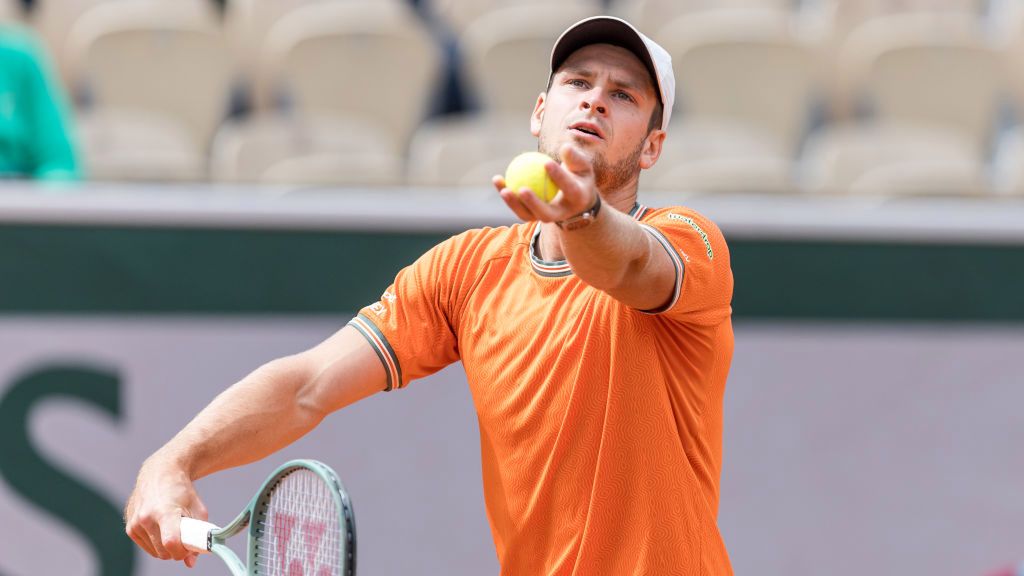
(569, 186)
(190, 560)
(170, 535)
(141, 537)
(153, 537)
(143, 529)
(575, 161)
(514, 202)
(540, 209)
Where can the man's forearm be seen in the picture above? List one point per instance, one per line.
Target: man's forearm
(608, 251)
(264, 412)
(257, 416)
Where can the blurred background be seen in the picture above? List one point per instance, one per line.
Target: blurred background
(193, 187)
(812, 97)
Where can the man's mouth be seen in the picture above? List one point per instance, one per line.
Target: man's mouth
(587, 128)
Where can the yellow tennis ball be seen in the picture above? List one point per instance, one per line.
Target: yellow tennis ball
(527, 171)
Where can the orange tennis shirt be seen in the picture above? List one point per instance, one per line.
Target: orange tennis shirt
(600, 425)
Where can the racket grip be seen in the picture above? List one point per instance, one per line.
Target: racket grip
(195, 534)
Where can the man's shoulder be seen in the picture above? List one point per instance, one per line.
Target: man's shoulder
(678, 215)
(684, 224)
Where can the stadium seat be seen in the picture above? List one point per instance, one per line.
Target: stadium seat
(456, 15)
(309, 150)
(742, 67)
(371, 62)
(138, 145)
(246, 23)
(648, 15)
(891, 159)
(849, 53)
(54, 19)
(467, 150)
(155, 59)
(719, 156)
(246, 26)
(930, 69)
(507, 53)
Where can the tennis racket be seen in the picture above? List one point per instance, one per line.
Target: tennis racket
(300, 523)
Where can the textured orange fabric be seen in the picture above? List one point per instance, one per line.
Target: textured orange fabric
(600, 425)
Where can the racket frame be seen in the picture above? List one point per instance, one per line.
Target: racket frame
(217, 537)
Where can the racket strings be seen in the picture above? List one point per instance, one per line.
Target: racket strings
(300, 532)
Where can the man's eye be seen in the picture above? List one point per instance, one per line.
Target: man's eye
(577, 83)
(624, 96)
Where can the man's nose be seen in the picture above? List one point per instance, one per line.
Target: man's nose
(594, 100)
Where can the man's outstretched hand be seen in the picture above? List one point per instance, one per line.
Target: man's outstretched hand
(575, 180)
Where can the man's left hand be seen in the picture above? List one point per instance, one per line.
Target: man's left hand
(577, 189)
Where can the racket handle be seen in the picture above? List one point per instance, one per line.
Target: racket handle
(195, 534)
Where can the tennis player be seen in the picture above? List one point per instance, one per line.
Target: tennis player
(596, 338)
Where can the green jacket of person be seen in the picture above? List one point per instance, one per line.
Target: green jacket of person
(37, 138)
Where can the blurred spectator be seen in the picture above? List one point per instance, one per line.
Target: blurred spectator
(36, 135)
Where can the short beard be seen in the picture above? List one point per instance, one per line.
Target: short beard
(608, 177)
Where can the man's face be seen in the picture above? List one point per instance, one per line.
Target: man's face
(601, 100)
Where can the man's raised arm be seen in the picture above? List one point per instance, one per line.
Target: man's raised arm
(614, 253)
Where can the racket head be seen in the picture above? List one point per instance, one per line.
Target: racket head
(302, 518)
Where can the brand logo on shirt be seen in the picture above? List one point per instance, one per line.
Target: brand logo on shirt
(379, 308)
(695, 226)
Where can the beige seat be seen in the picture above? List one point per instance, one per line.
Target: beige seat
(467, 150)
(934, 70)
(54, 19)
(891, 159)
(304, 151)
(827, 24)
(138, 145)
(932, 83)
(247, 24)
(717, 156)
(507, 54)
(371, 62)
(156, 64)
(457, 15)
(648, 15)
(742, 67)
(920, 40)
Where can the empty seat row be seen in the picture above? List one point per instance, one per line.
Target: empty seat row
(353, 79)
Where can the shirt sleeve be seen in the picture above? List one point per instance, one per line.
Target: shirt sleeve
(411, 327)
(704, 282)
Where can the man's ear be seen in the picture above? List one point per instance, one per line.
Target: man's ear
(652, 148)
(537, 118)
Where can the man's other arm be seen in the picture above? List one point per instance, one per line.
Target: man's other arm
(267, 410)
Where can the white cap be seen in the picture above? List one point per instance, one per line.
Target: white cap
(618, 32)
